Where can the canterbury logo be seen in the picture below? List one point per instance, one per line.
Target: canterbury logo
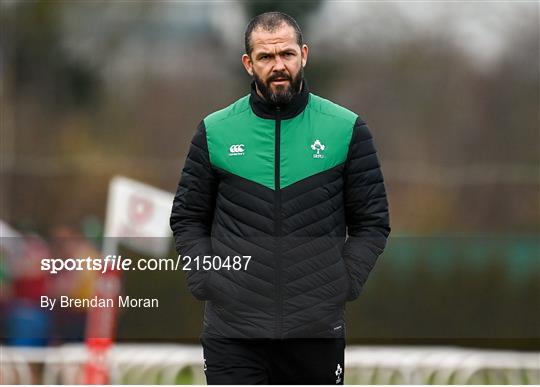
(236, 150)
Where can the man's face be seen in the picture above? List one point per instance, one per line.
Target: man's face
(276, 63)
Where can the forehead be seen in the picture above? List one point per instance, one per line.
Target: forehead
(282, 37)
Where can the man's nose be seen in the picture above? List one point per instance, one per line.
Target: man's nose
(279, 65)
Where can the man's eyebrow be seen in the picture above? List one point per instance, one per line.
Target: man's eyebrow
(261, 53)
(289, 49)
(285, 50)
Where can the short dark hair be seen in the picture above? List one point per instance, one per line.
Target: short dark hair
(270, 21)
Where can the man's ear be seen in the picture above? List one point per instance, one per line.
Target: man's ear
(248, 65)
(305, 52)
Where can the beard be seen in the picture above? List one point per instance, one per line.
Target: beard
(283, 94)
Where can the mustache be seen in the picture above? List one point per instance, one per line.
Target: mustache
(278, 76)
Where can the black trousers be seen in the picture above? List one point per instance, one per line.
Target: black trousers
(267, 361)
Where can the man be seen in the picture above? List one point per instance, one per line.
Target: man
(282, 176)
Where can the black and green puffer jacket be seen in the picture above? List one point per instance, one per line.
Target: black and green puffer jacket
(300, 190)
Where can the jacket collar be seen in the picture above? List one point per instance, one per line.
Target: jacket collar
(268, 110)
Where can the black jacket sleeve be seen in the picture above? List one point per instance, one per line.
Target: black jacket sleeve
(366, 209)
(193, 211)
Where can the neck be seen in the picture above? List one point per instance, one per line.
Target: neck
(266, 100)
(266, 109)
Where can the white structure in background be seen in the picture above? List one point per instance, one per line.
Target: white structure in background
(165, 363)
(137, 217)
(11, 241)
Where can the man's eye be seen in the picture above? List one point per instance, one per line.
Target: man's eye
(263, 57)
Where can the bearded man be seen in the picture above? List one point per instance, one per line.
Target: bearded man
(280, 213)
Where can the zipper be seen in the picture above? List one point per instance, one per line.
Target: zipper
(277, 225)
